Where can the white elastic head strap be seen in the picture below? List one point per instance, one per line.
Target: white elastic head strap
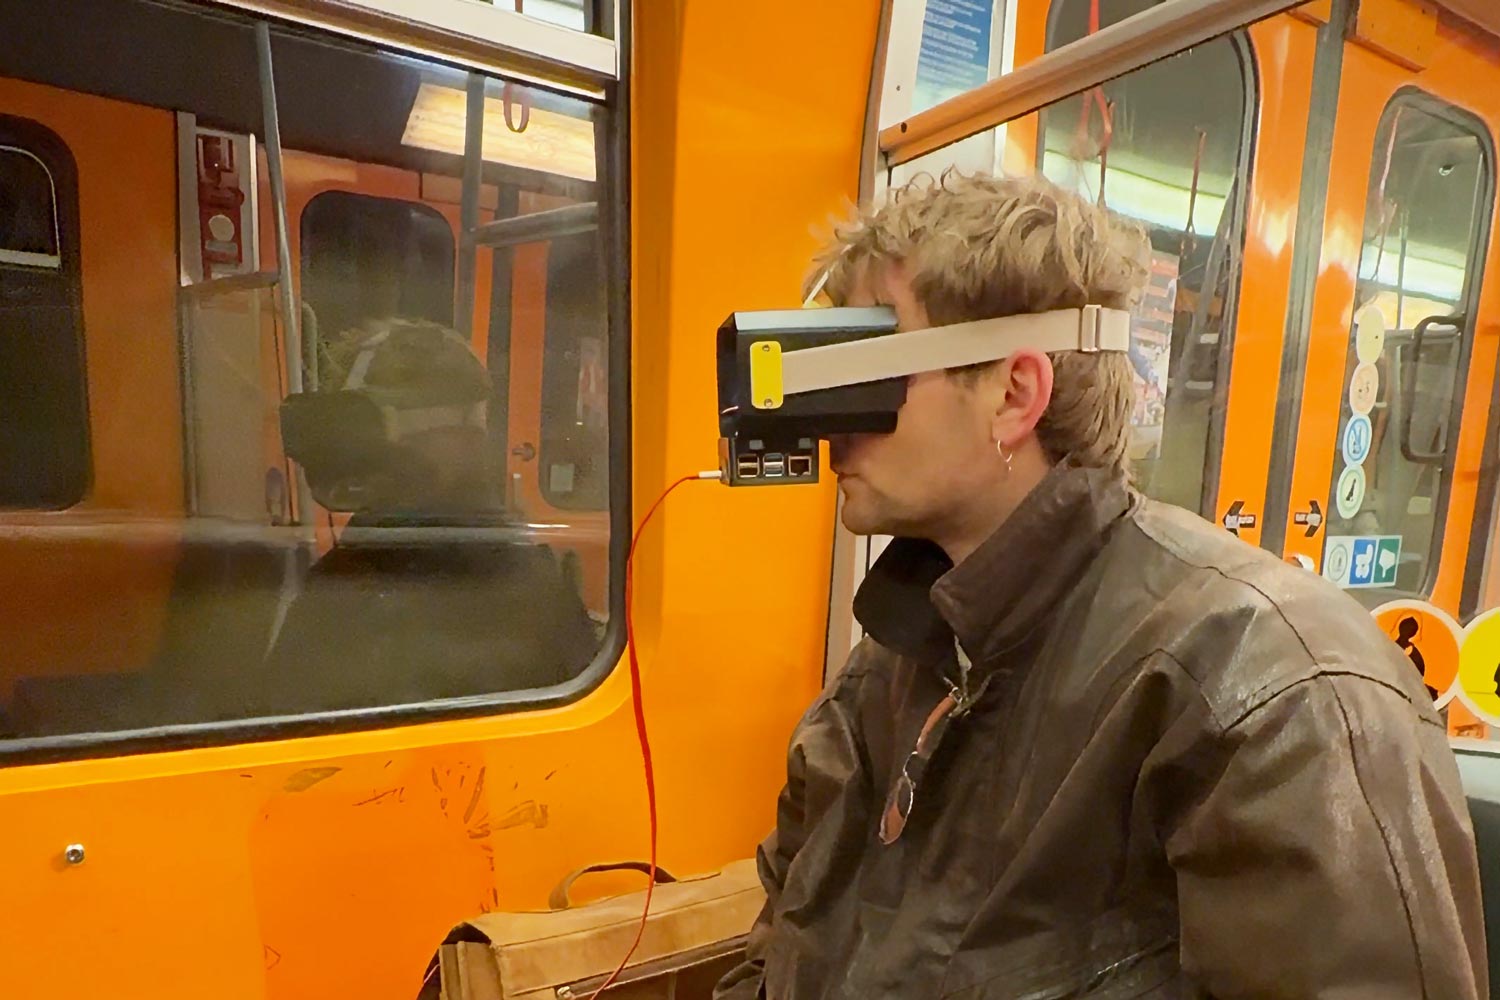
(360, 370)
(1090, 329)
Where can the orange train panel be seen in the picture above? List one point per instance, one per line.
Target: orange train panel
(331, 866)
(1284, 60)
(98, 605)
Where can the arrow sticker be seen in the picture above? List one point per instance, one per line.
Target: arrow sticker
(1311, 519)
(1235, 519)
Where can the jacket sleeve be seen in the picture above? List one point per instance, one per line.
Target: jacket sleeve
(824, 763)
(1331, 854)
(747, 980)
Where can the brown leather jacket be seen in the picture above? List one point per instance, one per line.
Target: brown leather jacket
(1177, 767)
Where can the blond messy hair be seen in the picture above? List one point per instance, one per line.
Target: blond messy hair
(979, 247)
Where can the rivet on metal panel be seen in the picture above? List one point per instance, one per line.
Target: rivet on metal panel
(74, 854)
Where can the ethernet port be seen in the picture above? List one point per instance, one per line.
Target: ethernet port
(799, 466)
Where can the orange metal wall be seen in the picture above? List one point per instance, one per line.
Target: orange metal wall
(331, 866)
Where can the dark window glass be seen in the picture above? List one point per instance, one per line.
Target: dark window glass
(44, 435)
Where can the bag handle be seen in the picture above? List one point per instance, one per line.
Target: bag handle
(559, 900)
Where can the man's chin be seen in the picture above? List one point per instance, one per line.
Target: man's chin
(860, 522)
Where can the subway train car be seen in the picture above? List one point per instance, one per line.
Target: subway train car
(345, 343)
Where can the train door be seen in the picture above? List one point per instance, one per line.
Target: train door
(1387, 385)
(1201, 150)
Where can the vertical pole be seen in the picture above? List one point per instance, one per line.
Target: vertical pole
(285, 295)
(463, 304)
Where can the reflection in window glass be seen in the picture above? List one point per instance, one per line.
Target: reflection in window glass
(357, 544)
(44, 461)
(1428, 196)
(28, 210)
(365, 259)
(575, 399)
(1167, 146)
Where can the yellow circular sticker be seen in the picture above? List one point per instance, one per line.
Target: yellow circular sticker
(1479, 667)
(1430, 640)
(1369, 334)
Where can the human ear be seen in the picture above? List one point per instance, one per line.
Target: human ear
(1024, 391)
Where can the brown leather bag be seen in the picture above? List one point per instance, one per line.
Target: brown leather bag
(695, 933)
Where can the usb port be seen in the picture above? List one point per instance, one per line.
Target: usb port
(799, 465)
(775, 464)
(748, 466)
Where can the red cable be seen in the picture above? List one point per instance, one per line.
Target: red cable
(640, 724)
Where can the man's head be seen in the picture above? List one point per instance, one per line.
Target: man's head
(433, 394)
(970, 444)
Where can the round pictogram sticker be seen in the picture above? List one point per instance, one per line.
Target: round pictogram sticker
(1369, 334)
(1350, 492)
(1364, 387)
(1430, 639)
(1479, 666)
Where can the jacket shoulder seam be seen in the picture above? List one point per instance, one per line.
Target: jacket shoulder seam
(1271, 689)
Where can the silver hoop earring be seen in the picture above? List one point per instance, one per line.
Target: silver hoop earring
(1005, 455)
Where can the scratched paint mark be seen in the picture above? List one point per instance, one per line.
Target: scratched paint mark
(271, 956)
(474, 798)
(247, 776)
(304, 779)
(528, 813)
(382, 796)
(549, 775)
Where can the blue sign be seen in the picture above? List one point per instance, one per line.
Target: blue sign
(1362, 567)
(1362, 561)
(1357, 438)
(955, 52)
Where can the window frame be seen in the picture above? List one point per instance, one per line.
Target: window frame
(1412, 96)
(51, 151)
(612, 151)
(1249, 148)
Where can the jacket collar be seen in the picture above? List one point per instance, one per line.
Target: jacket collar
(915, 602)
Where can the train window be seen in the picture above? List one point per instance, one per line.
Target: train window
(575, 411)
(44, 439)
(1430, 194)
(1168, 145)
(28, 225)
(297, 516)
(366, 258)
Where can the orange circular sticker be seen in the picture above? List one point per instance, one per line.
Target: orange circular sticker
(1430, 639)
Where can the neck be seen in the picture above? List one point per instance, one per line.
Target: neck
(970, 527)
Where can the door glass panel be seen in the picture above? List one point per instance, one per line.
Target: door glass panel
(1168, 146)
(1429, 190)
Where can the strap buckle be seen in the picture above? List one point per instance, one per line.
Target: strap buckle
(1090, 329)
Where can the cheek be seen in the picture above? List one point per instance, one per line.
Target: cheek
(943, 435)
